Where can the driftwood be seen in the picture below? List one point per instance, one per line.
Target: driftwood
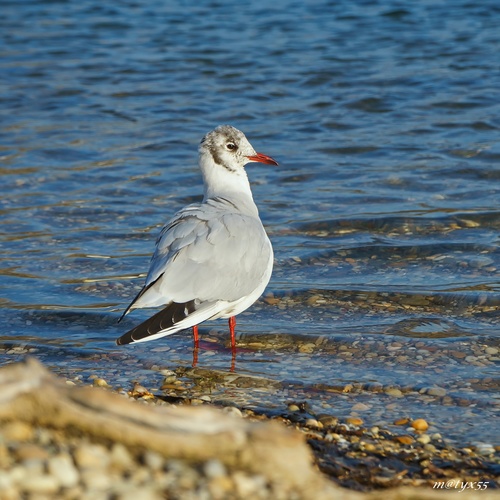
(30, 393)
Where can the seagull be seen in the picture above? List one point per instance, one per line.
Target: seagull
(213, 259)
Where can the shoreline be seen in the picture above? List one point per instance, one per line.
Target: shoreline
(362, 461)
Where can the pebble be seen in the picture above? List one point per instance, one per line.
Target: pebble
(354, 421)
(61, 467)
(328, 420)
(312, 422)
(121, 458)
(7, 486)
(92, 456)
(402, 421)
(153, 460)
(436, 391)
(30, 451)
(245, 485)
(491, 350)
(233, 411)
(392, 391)
(41, 484)
(404, 439)
(214, 468)
(17, 431)
(424, 439)
(96, 479)
(420, 424)
(361, 407)
(484, 449)
(144, 492)
(307, 348)
(99, 382)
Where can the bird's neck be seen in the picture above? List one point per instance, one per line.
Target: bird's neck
(231, 184)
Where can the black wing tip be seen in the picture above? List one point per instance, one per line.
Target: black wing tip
(121, 341)
(162, 320)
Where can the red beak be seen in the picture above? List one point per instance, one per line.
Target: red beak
(261, 158)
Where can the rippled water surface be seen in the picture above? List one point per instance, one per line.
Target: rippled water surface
(384, 212)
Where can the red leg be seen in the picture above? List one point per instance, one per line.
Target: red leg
(233, 361)
(232, 325)
(195, 336)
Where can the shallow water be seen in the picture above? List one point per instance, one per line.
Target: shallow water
(384, 213)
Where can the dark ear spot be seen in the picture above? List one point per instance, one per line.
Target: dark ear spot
(219, 161)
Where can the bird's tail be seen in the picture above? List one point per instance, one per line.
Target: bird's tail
(167, 321)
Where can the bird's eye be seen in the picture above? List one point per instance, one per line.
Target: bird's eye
(231, 146)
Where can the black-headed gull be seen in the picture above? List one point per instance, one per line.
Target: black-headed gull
(214, 258)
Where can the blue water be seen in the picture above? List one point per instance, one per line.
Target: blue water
(385, 118)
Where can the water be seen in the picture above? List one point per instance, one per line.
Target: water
(384, 213)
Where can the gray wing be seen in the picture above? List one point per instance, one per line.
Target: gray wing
(207, 254)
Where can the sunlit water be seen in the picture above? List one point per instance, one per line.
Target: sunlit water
(384, 212)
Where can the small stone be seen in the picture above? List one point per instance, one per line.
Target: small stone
(214, 468)
(139, 391)
(312, 422)
(41, 484)
(140, 475)
(491, 350)
(6, 485)
(424, 439)
(370, 447)
(402, 421)
(92, 456)
(61, 467)
(96, 479)
(31, 452)
(143, 492)
(219, 487)
(484, 449)
(17, 431)
(354, 421)
(245, 485)
(328, 420)
(121, 458)
(99, 382)
(307, 348)
(404, 439)
(233, 411)
(361, 407)
(312, 299)
(153, 460)
(420, 424)
(392, 391)
(293, 407)
(436, 391)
